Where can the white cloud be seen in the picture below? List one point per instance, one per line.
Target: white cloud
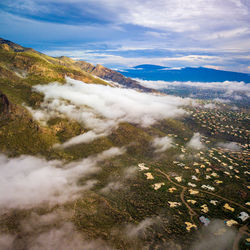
(227, 33)
(101, 108)
(6, 241)
(213, 67)
(29, 181)
(192, 58)
(227, 87)
(83, 138)
(221, 56)
(183, 15)
(195, 142)
(210, 106)
(215, 236)
(176, 24)
(107, 57)
(174, 15)
(161, 144)
(130, 172)
(112, 186)
(65, 237)
(112, 152)
(220, 100)
(133, 231)
(37, 222)
(233, 146)
(50, 231)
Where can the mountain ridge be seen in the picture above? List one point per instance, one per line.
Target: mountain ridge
(79, 70)
(126, 186)
(199, 74)
(22, 68)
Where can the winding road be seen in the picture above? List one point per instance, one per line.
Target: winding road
(202, 191)
(190, 210)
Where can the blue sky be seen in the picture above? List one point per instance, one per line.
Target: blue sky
(121, 34)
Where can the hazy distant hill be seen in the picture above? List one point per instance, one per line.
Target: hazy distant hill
(155, 72)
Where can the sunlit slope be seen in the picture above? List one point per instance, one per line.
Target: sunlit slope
(21, 69)
(114, 168)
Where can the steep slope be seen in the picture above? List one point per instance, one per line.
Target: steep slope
(22, 68)
(31, 66)
(110, 75)
(116, 191)
(10, 45)
(27, 62)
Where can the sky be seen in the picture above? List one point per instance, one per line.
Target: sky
(122, 34)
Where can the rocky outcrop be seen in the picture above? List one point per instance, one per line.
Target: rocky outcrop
(38, 65)
(5, 106)
(5, 73)
(111, 75)
(6, 44)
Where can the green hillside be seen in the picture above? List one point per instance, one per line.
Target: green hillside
(140, 198)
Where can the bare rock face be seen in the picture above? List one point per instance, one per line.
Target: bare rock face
(4, 106)
(7, 45)
(110, 75)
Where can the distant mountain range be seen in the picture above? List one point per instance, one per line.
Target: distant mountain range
(201, 74)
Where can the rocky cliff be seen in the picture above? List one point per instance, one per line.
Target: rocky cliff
(110, 75)
(4, 105)
(17, 59)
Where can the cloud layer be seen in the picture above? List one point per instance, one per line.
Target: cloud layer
(49, 231)
(227, 89)
(195, 142)
(161, 144)
(101, 108)
(227, 86)
(29, 181)
(211, 239)
(233, 146)
(171, 33)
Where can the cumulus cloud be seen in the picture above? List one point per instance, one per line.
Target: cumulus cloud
(6, 241)
(220, 100)
(215, 236)
(112, 152)
(198, 26)
(210, 106)
(101, 108)
(112, 186)
(182, 15)
(83, 138)
(65, 237)
(130, 172)
(49, 231)
(228, 88)
(233, 146)
(29, 181)
(133, 231)
(161, 144)
(36, 222)
(195, 142)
